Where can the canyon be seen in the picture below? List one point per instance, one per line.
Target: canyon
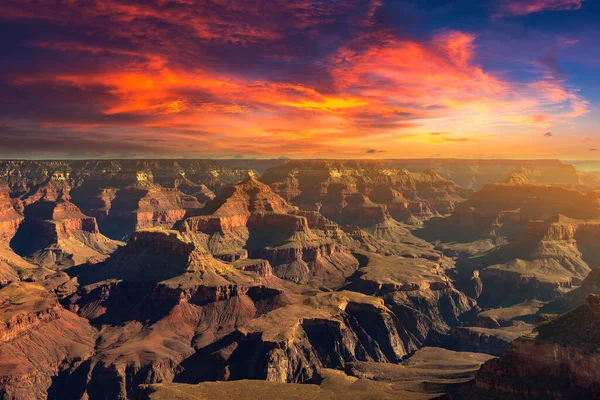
(156, 279)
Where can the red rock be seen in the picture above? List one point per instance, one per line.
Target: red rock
(561, 362)
(331, 184)
(38, 338)
(57, 233)
(250, 216)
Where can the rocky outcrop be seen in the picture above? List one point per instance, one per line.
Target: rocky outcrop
(57, 234)
(249, 217)
(330, 185)
(143, 204)
(559, 361)
(156, 301)
(38, 339)
(424, 375)
(10, 219)
(417, 290)
(292, 343)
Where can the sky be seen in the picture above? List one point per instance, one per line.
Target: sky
(300, 79)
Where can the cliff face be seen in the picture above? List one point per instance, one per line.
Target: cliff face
(58, 234)
(292, 343)
(536, 239)
(249, 218)
(328, 185)
(417, 290)
(38, 338)
(154, 302)
(557, 363)
(10, 219)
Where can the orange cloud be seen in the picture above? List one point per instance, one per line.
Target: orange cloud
(440, 80)
(254, 77)
(380, 91)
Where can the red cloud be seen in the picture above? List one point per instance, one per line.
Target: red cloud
(158, 80)
(383, 86)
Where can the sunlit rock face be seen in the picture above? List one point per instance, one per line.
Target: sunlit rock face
(533, 238)
(327, 277)
(560, 360)
(57, 233)
(10, 218)
(338, 188)
(250, 217)
(38, 338)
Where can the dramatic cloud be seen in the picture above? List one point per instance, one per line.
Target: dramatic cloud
(220, 79)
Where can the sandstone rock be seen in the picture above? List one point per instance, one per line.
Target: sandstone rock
(427, 374)
(561, 361)
(155, 301)
(250, 217)
(57, 234)
(417, 290)
(291, 343)
(409, 196)
(38, 339)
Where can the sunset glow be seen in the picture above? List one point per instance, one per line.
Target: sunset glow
(220, 79)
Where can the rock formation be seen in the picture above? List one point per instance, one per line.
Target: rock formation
(10, 219)
(290, 344)
(317, 273)
(559, 362)
(38, 340)
(417, 290)
(330, 185)
(535, 238)
(138, 206)
(55, 234)
(248, 219)
(427, 374)
(154, 302)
